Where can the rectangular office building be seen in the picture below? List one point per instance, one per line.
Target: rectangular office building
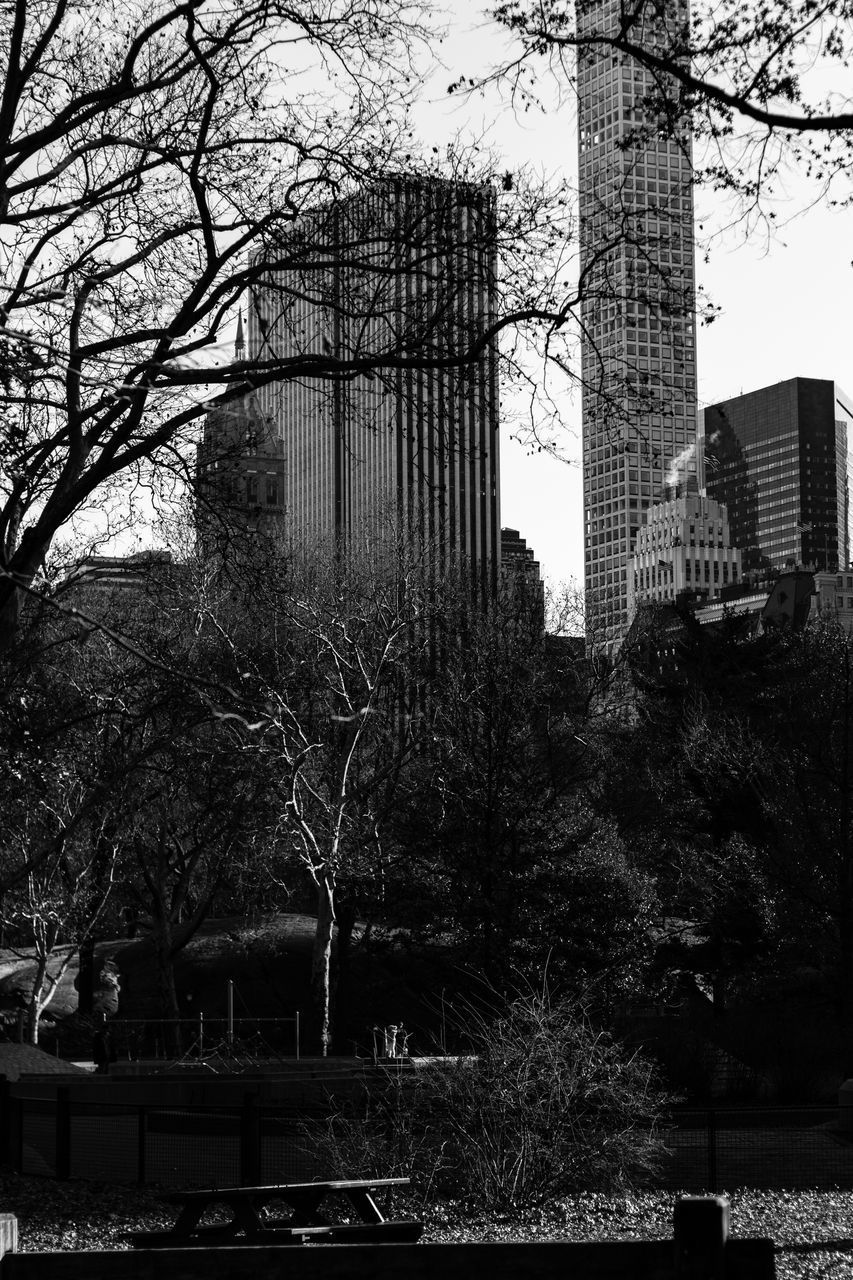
(397, 283)
(780, 460)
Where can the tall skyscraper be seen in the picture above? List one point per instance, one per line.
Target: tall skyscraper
(638, 356)
(405, 271)
(780, 459)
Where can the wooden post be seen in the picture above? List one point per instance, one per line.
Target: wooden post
(141, 1133)
(250, 1142)
(6, 1156)
(548, 1260)
(701, 1230)
(63, 1132)
(8, 1234)
(16, 1132)
(712, 1150)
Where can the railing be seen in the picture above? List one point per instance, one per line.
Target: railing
(762, 1147)
(200, 1037)
(144, 1143)
(700, 1246)
(135, 1038)
(174, 1143)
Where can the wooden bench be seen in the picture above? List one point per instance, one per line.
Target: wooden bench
(308, 1219)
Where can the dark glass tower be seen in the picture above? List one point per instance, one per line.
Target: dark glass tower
(780, 459)
(398, 280)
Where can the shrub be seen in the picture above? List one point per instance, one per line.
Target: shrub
(545, 1105)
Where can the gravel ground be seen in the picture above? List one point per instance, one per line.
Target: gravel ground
(813, 1230)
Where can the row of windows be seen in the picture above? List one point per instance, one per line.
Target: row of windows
(768, 444)
(694, 570)
(271, 493)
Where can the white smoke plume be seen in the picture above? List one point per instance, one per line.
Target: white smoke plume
(679, 465)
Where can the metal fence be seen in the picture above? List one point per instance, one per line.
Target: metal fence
(132, 1039)
(135, 1038)
(798, 1148)
(177, 1146)
(709, 1150)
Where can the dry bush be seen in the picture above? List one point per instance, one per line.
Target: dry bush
(546, 1104)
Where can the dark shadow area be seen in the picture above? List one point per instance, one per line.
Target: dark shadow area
(817, 1246)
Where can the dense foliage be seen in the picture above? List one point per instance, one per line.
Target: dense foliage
(453, 797)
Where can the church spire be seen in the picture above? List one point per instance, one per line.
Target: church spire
(239, 341)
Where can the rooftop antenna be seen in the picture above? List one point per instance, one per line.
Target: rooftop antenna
(239, 341)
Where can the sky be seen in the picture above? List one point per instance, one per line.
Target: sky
(784, 303)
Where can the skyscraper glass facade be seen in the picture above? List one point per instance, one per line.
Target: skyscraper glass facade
(399, 279)
(780, 459)
(637, 262)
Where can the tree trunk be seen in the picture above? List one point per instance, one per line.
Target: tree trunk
(86, 978)
(33, 1014)
(845, 975)
(845, 915)
(168, 994)
(22, 563)
(321, 960)
(10, 608)
(35, 1003)
(346, 918)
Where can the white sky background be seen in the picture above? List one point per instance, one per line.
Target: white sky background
(785, 303)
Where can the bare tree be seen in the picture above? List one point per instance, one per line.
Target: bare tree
(61, 786)
(334, 669)
(187, 806)
(753, 79)
(181, 854)
(161, 165)
(54, 908)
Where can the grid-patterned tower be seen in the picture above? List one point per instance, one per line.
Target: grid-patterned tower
(638, 352)
(401, 277)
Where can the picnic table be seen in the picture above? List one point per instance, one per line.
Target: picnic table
(309, 1218)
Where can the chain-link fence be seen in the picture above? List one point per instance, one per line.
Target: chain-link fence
(180, 1145)
(190, 1039)
(715, 1149)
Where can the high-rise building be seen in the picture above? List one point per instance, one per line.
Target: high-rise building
(520, 573)
(683, 548)
(780, 459)
(239, 481)
(239, 473)
(399, 278)
(517, 559)
(638, 357)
